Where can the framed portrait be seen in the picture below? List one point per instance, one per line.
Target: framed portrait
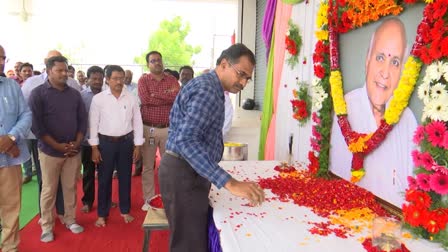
(388, 166)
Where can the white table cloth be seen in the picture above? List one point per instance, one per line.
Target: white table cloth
(277, 226)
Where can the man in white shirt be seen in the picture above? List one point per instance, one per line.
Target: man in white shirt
(128, 81)
(116, 135)
(388, 166)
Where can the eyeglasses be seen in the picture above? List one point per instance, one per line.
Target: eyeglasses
(241, 74)
(117, 78)
(155, 61)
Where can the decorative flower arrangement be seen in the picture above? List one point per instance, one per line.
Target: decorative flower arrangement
(301, 104)
(293, 43)
(426, 213)
(339, 16)
(433, 92)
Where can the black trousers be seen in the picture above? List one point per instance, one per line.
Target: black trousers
(185, 198)
(119, 155)
(88, 176)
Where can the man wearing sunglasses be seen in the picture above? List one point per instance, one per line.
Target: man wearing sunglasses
(195, 146)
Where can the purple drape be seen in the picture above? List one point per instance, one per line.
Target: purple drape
(268, 24)
(214, 244)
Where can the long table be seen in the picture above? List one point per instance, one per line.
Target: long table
(278, 226)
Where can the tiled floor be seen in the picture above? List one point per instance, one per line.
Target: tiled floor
(246, 129)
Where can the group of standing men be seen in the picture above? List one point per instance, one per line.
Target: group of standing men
(109, 129)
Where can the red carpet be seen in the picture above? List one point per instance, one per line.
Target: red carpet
(116, 236)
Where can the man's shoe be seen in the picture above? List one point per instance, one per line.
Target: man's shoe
(75, 228)
(86, 208)
(47, 236)
(26, 179)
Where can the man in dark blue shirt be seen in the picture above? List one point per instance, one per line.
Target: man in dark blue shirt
(60, 123)
(195, 146)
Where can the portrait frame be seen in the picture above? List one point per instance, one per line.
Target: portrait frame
(344, 17)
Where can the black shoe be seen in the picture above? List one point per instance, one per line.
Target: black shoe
(26, 179)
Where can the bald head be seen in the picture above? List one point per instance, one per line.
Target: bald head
(392, 28)
(127, 77)
(384, 62)
(52, 53)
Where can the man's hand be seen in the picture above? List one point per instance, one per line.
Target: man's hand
(73, 149)
(14, 151)
(5, 143)
(136, 155)
(96, 155)
(248, 190)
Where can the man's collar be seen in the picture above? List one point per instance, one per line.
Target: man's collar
(48, 85)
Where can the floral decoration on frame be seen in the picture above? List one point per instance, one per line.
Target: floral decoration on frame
(431, 44)
(426, 210)
(301, 104)
(293, 43)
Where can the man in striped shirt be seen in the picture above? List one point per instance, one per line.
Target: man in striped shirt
(195, 146)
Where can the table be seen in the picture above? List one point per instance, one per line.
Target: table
(154, 220)
(277, 226)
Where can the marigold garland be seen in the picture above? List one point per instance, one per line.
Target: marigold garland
(431, 44)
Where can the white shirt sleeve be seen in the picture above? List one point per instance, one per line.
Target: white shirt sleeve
(94, 119)
(137, 124)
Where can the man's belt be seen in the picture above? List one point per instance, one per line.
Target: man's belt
(115, 139)
(160, 126)
(174, 154)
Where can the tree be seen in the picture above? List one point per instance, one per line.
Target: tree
(169, 40)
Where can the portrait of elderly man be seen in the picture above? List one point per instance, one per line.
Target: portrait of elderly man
(388, 166)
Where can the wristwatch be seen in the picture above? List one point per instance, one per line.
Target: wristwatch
(12, 137)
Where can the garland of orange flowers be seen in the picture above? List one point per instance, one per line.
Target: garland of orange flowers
(362, 144)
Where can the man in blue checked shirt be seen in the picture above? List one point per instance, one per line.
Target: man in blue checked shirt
(15, 122)
(195, 146)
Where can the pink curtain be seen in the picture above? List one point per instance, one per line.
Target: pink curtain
(282, 15)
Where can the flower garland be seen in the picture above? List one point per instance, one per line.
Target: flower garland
(341, 17)
(301, 104)
(293, 43)
(362, 144)
(426, 213)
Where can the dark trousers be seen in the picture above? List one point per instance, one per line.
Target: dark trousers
(34, 151)
(59, 195)
(88, 176)
(185, 198)
(115, 154)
